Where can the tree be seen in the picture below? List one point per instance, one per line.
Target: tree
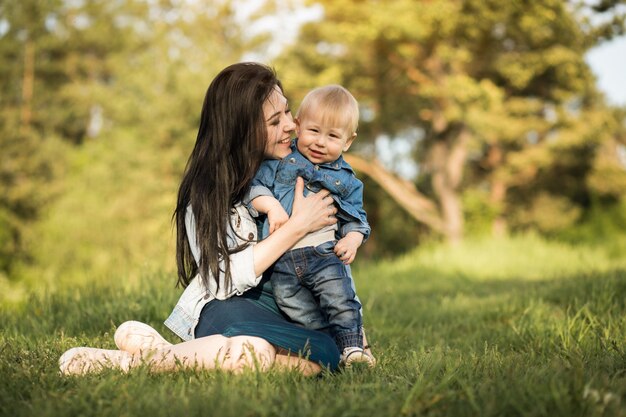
(135, 103)
(58, 63)
(552, 120)
(492, 90)
(74, 73)
(27, 164)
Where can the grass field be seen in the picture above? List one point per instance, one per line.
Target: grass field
(493, 328)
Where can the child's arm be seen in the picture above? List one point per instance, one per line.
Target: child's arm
(261, 185)
(347, 246)
(356, 230)
(276, 214)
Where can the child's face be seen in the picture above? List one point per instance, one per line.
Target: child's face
(320, 142)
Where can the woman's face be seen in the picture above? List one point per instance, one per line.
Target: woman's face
(279, 123)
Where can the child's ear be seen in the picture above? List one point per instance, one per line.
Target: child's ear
(297, 122)
(349, 141)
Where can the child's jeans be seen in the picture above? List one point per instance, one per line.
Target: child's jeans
(314, 288)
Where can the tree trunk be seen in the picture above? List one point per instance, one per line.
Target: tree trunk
(447, 159)
(498, 193)
(403, 192)
(28, 81)
(498, 190)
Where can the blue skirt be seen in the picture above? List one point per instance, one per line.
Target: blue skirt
(255, 313)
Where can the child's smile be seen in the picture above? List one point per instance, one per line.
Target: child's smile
(321, 143)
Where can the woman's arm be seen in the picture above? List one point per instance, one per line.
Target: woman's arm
(309, 214)
(247, 266)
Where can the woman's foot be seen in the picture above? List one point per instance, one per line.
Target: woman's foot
(136, 337)
(82, 360)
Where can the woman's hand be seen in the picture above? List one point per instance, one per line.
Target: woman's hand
(314, 211)
(309, 214)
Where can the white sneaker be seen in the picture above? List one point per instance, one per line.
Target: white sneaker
(82, 360)
(135, 337)
(351, 355)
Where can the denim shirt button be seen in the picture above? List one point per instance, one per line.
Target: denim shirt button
(292, 160)
(337, 182)
(317, 167)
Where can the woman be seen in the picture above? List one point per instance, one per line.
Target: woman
(227, 316)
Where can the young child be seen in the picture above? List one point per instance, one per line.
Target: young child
(312, 282)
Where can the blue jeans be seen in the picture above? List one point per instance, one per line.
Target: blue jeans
(314, 288)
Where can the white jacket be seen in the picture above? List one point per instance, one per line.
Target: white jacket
(186, 313)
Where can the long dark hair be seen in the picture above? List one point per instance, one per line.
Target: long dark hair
(228, 152)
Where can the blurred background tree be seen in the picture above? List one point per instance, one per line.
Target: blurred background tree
(505, 112)
(477, 117)
(100, 104)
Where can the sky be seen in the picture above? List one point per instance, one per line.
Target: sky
(608, 62)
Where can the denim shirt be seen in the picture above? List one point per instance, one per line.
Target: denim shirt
(186, 313)
(278, 179)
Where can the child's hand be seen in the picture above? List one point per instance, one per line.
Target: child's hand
(276, 216)
(347, 246)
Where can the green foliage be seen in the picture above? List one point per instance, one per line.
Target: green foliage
(602, 225)
(548, 214)
(55, 56)
(93, 149)
(514, 77)
(27, 167)
(479, 212)
(91, 158)
(92, 229)
(490, 328)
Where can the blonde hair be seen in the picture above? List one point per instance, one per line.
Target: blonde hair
(333, 104)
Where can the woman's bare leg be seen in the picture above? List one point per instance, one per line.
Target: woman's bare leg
(136, 337)
(287, 362)
(228, 353)
(141, 339)
(234, 354)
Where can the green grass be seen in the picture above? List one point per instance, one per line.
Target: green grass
(492, 328)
